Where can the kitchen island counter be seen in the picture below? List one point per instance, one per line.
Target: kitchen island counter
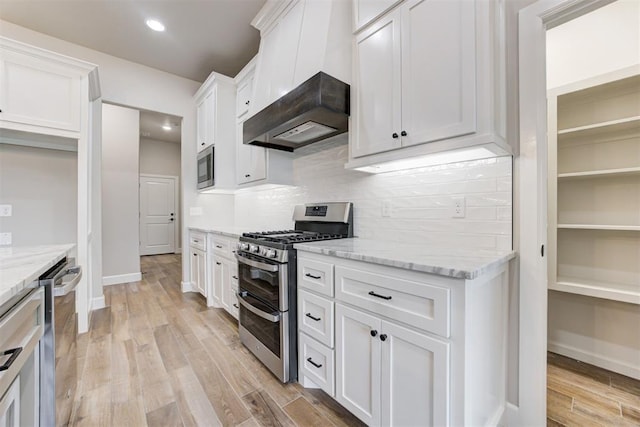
(20, 266)
(462, 264)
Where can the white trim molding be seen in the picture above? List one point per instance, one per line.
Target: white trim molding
(187, 287)
(97, 303)
(121, 278)
(595, 359)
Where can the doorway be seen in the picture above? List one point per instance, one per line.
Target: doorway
(159, 203)
(536, 165)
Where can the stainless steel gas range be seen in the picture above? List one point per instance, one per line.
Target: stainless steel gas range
(267, 290)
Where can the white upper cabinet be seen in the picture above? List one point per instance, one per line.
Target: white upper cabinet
(365, 11)
(243, 96)
(251, 161)
(41, 92)
(378, 66)
(428, 78)
(206, 116)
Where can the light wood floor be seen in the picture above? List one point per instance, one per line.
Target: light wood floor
(158, 357)
(579, 394)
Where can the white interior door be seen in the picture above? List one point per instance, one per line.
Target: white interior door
(158, 215)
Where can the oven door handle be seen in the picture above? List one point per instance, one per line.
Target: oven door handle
(256, 264)
(266, 316)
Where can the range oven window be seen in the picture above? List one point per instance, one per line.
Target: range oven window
(265, 285)
(266, 331)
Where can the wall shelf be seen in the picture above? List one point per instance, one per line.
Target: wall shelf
(594, 187)
(599, 227)
(607, 290)
(606, 173)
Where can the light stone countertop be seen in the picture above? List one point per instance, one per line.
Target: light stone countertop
(20, 266)
(223, 231)
(459, 264)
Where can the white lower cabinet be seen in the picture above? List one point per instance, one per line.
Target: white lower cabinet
(198, 271)
(10, 406)
(225, 273)
(410, 348)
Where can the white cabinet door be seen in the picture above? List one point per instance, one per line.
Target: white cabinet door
(243, 96)
(415, 378)
(38, 92)
(206, 115)
(198, 271)
(10, 405)
(358, 363)
(438, 70)
(225, 274)
(251, 162)
(378, 89)
(365, 11)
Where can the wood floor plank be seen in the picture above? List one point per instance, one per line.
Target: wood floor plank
(631, 414)
(129, 413)
(195, 408)
(329, 408)
(265, 410)
(94, 408)
(237, 376)
(171, 354)
(101, 322)
(120, 325)
(227, 404)
(125, 379)
(97, 367)
(166, 416)
(304, 414)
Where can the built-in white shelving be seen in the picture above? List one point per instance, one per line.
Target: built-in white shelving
(594, 187)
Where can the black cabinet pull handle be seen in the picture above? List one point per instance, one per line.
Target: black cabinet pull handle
(394, 135)
(234, 277)
(317, 319)
(403, 133)
(218, 246)
(170, 219)
(202, 143)
(247, 175)
(217, 263)
(374, 333)
(312, 276)
(383, 337)
(195, 254)
(246, 103)
(14, 352)
(373, 294)
(236, 306)
(313, 363)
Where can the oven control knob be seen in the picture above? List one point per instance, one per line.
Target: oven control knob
(243, 246)
(254, 248)
(271, 253)
(263, 251)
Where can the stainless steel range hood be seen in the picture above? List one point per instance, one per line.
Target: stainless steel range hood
(315, 110)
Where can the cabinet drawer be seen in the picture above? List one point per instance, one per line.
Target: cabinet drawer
(418, 304)
(198, 240)
(225, 247)
(316, 317)
(317, 362)
(316, 276)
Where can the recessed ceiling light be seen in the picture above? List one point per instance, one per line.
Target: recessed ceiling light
(166, 127)
(155, 25)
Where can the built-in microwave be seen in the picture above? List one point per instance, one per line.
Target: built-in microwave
(206, 168)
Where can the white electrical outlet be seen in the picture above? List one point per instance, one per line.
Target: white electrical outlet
(458, 207)
(5, 239)
(386, 208)
(5, 210)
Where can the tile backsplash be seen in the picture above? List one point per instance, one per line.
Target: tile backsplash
(420, 200)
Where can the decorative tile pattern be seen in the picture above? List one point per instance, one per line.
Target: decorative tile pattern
(421, 200)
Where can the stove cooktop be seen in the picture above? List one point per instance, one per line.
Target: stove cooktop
(286, 237)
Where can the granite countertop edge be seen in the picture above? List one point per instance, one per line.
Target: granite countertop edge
(22, 260)
(222, 232)
(483, 266)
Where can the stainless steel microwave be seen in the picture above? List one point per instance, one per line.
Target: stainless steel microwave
(206, 176)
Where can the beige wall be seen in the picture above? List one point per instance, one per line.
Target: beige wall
(120, 153)
(41, 185)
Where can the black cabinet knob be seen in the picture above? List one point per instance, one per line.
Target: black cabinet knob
(170, 219)
(246, 103)
(195, 254)
(217, 263)
(374, 332)
(202, 143)
(383, 337)
(403, 133)
(394, 135)
(247, 175)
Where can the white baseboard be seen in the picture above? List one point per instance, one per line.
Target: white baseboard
(187, 287)
(97, 303)
(121, 278)
(595, 359)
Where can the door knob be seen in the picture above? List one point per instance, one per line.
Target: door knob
(170, 219)
(403, 133)
(171, 214)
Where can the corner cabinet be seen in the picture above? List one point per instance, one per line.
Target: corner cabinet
(428, 78)
(594, 186)
(398, 347)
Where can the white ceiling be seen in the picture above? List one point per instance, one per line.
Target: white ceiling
(201, 35)
(151, 127)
